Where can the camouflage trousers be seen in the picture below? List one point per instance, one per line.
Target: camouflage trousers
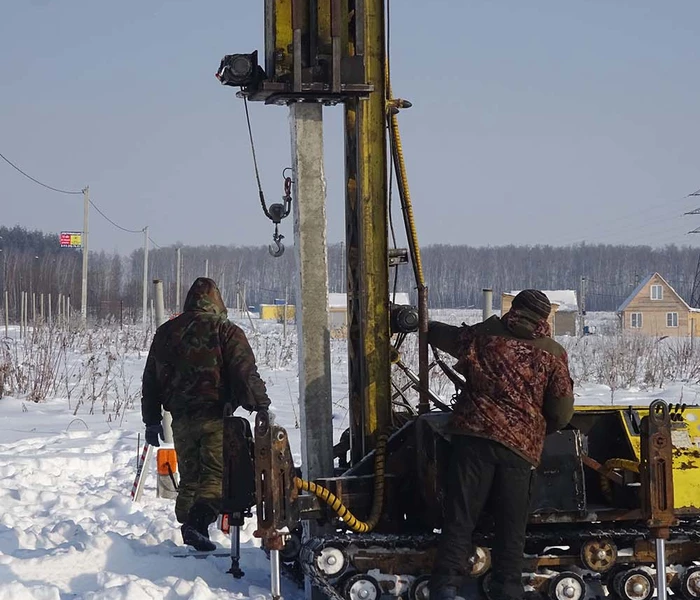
(200, 457)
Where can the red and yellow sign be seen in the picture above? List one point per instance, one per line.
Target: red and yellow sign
(71, 239)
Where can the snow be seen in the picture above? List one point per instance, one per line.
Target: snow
(68, 528)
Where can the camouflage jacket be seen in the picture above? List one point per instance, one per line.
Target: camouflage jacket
(517, 388)
(199, 361)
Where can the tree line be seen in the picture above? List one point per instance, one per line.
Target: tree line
(33, 262)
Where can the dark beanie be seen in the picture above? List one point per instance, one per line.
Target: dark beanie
(535, 301)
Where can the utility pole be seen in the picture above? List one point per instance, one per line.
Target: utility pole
(695, 292)
(206, 268)
(582, 306)
(145, 276)
(178, 272)
(310, 247)
(84, 288)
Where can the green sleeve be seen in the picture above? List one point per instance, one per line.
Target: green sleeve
(247, 387)
(150, 391)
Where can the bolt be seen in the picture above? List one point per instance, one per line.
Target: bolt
(638, 588)
(363, 594)
(601, 554)
(331, 560)
(569, 591)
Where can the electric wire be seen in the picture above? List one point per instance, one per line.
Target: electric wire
(28, 176)
(113, 223)
(150, 239)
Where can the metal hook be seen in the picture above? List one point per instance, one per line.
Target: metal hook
(276, 248)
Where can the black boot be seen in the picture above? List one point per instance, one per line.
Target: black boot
(195, 531)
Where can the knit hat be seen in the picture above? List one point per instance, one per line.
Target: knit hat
(535, 301)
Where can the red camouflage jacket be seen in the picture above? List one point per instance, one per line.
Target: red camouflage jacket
(518, 386)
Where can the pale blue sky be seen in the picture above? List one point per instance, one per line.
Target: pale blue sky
(539, 121)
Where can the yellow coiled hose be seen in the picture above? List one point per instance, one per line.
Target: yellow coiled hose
(615, 463)
(338, 507)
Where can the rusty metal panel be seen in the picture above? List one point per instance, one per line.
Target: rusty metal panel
(656, 469)
(274, 482)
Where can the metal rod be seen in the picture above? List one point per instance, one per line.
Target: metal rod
(178, 273)
(276, 584)
(423, 365)
(145, 277)
(84, 283)
(661, 568)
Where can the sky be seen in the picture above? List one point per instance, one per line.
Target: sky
(532, 122)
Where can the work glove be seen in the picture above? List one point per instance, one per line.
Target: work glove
(153, 432)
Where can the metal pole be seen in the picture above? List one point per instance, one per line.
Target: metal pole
(50, 316)
(84, 288)
(34, 309)
(178, 272)
(206, 268)
(311, 250)
(145, 276)
(235, 535)
(487, 310)
(276, 587)
(367, 241)
(660, 568)
(41, 307)
(284, 316)
(21, 315)
(7, 312)
(582, 305)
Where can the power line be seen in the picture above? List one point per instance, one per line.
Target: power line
(113, 223)
(28, 176)
(152, 242)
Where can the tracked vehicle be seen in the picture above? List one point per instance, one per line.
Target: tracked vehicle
(616, 509)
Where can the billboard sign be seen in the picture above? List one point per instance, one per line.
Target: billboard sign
(71, 239)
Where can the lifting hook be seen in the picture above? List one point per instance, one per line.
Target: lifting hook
(276, 248)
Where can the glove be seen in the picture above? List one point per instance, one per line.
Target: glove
(152, 434)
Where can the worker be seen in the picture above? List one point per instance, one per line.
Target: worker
(517, 390)
(198, 363)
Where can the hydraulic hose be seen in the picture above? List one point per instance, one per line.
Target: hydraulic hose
(615, 463)
(338, 507)
(405, 191)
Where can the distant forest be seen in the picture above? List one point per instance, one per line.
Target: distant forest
(32, 261)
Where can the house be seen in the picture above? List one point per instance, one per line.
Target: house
(564, 313)
(655, 308)
(338, 311)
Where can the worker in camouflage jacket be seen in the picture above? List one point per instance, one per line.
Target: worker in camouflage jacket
(517, 390)
(198, 363)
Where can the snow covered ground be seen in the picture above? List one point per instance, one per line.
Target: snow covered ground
(68, 528)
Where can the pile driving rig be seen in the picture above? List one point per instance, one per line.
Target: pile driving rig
(618, 497)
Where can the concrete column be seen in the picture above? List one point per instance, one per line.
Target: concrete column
(160, 318)
(310, 247)
(487, 311)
